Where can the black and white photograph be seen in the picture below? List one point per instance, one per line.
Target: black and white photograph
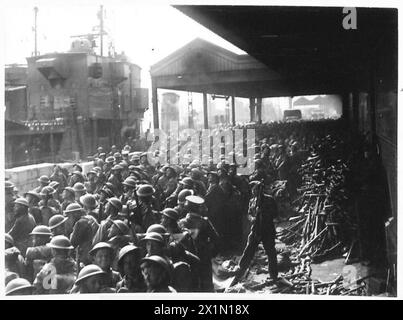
(199, 148)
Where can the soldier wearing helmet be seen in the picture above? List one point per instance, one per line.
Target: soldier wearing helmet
(59, 274)
(205, 237)
(92, 184)
(144, 213)
(68, 197)
(129, 268)
(180, 207)
(76, 177)
(157, 273)
(39, 254)
(23, 225)
(90, 280)
(112, 208)
(33, 199)
(44, 181)
(103, 256)
(14, 261)
(57, 225)
(83, 231)
(116, 179)
(48, 205)
(19, 287)
(90, 205)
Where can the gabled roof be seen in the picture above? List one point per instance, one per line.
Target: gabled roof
(201, 55)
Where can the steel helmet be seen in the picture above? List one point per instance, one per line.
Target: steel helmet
(100, 245)
(107, 192)
(110, 159)
(69, 189)
(22, 201)
(187, 182)
(8, 185)
(89, 201)
(33, 193)
(73, 207)
(16, 285)
(123, 227)
(159, 261)
(54, 184)
(116, 203)
(183, 194)
(56, 221)
(130, 182)
(145, 190)
(41, 230)
(46, 191)
(44, 179)
(9, 239)
(154, 236)
(88, 271)
(159, 228)
(60, 242)
(127, 249)
(117, 167)
(79, 187)
(171, 213)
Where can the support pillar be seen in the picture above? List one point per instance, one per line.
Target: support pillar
(155, 105)
(233, 109)
(205, 111)
(259, 110)
(252, 109)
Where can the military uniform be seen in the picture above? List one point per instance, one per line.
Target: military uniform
(65, 272)
(35, 259)
(82, 236)
(23, 226)
(204, 236)
(144, 216)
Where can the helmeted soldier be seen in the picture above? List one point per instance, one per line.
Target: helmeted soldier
(23, 225)
(14, 261)
(33, 199)
(89, 205)
(76, 177)
(129, 269)
(103, 256)
(57, 225)
(84, 229)
(68, 197)
(48, 205)
(44, 181)
(9, 204)
(104, 195)
(91, 185)
(199, 186)
(204, 235)
(57, 276)
(262, 211)
(116, 179)
(144, 214)
(39, 254)
(90, 280)
(112, 209)
(59, 176)
(79, 191)
(157, 273)
(129, 189)
(185, 183)
(19, 287)
(180, 207)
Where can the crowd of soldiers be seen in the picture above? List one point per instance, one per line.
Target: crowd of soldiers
(128, 226)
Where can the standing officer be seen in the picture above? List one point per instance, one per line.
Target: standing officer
(205, 236)
(262, 211)
(23, 225)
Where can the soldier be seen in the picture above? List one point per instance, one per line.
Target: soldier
(112, 208)
(199, 186)
(180, 207)
(157, 274)
(129, 189)
(56, 186)
(262, 211)
(91, 185)
(144, 214)
(103, 256)
(129, 269)
(44, 181)
(168, 182)
(104, 195)
(185, 183)
(90, 204)
(57, 276)
(79, 191)
(90, 280)
(39, 254)
(83, 230)
(33, 199)
(116, 179)
(14, 261)
(76, 177)
(9, 204)
(68, 197)
(23, 225)
(154, 244)
(19, 287)
(57, 225)
(109, 161)
(48, 205)
(204, 235)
